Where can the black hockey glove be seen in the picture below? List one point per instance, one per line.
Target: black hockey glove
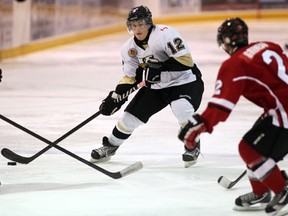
(0, 74)
(153, 69)
(190, 133)
(153, 72)
(110, 105)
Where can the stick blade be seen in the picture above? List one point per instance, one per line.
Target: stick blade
(7, 153)
(131, 169)
(224, 182)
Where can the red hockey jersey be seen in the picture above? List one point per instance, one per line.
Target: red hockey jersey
(258, 72)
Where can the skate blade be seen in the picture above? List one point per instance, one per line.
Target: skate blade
(187, 164)
(92, 160)
(256, 207)
(282, 212)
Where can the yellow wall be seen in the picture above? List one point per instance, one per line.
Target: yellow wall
(202, 17)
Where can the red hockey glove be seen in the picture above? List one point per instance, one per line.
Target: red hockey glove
(189, 134)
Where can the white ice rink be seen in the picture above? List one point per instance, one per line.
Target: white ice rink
(51, 92)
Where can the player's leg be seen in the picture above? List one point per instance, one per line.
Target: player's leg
(279, 151)
(185, 100)
(122, 130)
(257, 151)
(260, 195)
(144, 104)
(182, 110)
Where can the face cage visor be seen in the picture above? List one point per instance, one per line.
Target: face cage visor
(140, 24)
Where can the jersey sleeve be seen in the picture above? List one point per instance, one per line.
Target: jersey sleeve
(226, 94)
(171, 48)
(174, 43)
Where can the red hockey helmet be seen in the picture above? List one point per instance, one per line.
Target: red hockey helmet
(232, 33)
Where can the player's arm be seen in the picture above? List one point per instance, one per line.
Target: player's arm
(198, 124)
(181, 63)
(176, 49)
(179, 56)
(132, 76)
(154, 68)
(124, 85)
(190, 133)
(110, 104)
(218, 110)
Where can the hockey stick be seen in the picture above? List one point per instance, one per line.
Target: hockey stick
(7, 153)
(226, 183)
(116, 175)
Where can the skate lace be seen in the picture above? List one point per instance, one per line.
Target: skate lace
(194, 153)
(105, 150)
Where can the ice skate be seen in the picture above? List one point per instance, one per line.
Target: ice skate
(277, 203)
(252, 202)
(103, 153)
(190, 157)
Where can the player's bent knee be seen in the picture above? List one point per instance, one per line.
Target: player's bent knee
(129, 122)
(249, 155)
(182, 110)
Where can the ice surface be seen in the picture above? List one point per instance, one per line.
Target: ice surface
(52, 91)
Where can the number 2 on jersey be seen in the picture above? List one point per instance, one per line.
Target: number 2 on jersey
(281, 68)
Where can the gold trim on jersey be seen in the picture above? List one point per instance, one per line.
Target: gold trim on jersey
(185, 60)
(127, 80)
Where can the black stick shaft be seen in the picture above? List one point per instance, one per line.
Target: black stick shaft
(28, 160)
(238, 179)
(13, 156)
(59, 147)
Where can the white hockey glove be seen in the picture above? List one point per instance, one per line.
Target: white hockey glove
(190, 133)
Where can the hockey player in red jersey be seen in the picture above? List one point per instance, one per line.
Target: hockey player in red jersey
(159, 55)
(259, 72)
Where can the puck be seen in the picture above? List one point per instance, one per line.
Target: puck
(12, 163)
